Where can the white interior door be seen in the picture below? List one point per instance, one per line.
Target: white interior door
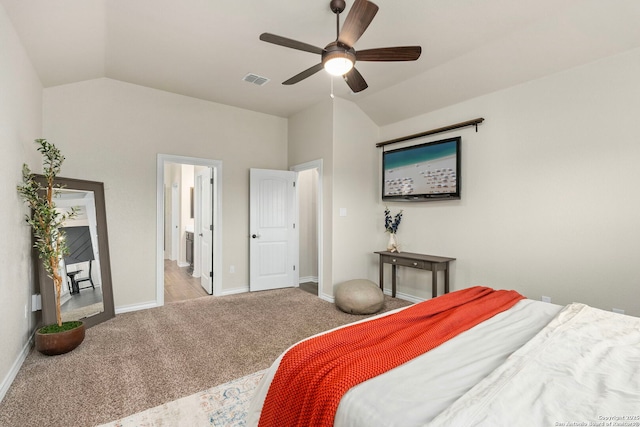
(273, 252)
(175, 218)
(205, 232)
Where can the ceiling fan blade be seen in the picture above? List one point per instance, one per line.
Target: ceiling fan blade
(399, 53)
(293, 44)
(355, 81)
(303, 75)
(358, 19)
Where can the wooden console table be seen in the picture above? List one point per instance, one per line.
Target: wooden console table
(419, 261)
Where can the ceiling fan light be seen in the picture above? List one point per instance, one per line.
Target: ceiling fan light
(338, 65)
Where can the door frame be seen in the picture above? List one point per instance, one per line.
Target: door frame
(315, 164)
(216, 165)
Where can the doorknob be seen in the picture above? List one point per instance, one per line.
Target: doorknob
(255, 236)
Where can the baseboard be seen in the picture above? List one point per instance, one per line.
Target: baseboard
(399, 295)
(307, 279)
(183, 264)
(323, 296)
(234, 291)
(327, 297)
(15, 368)
(136, 307)
(405, 297)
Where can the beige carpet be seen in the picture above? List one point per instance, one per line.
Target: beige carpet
(146, 358)
(226, 405)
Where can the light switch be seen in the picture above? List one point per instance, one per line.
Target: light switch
(343, 211)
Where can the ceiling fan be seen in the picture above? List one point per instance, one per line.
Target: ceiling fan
(339, 57)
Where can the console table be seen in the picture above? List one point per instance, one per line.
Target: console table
(419, 261)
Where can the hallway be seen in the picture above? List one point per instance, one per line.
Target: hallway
(179, 285)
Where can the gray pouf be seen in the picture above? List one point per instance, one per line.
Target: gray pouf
(359, 296)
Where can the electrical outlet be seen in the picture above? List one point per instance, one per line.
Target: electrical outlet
(546, 299)
(618, 310)
(36, 302)
(232, 269)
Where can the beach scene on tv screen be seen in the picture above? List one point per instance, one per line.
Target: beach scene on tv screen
(430, 169)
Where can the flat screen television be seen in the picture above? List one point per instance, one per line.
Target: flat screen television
(423, 172)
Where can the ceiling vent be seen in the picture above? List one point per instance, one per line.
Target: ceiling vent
(255, 79)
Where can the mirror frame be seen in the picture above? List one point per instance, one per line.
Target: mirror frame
(47, 290)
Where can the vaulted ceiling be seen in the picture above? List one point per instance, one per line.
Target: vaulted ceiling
(204, 48)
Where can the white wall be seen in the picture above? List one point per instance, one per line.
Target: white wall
(355, 174)
(340, 134)
(187, 179)
(20, 124)
(112, 131)
(171, 175)
(311, 138)
(549, 199)
(308, 225)
(183, 176)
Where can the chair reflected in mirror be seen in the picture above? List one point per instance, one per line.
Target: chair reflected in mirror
(78, 272)
(79, 266)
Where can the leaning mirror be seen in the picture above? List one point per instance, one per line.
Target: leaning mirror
(86, 291)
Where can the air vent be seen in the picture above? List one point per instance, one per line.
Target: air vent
(255, 79)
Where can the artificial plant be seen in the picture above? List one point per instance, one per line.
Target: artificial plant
(45, 220)
(391, 224)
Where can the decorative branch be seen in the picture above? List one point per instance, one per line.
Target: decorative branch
(390, 225)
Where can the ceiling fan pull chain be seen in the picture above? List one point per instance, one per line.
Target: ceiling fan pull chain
(332, 96)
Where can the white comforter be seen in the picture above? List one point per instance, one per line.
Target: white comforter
(414, 393)
(582, 369)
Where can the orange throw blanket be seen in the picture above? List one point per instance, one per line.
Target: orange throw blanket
(314, 375)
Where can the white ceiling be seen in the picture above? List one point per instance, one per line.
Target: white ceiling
(203, 48)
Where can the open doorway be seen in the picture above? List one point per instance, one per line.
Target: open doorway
(310, 225)
(188, 227)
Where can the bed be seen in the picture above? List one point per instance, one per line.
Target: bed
(534, 363)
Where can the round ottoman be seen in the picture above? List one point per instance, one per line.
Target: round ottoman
(359, 296)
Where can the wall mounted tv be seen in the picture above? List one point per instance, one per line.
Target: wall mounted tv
(424, 172)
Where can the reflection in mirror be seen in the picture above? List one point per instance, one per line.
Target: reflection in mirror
(87, 294)
(82, 295)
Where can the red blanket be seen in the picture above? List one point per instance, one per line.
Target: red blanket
(314, 375)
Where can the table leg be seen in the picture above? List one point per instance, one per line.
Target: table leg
(381, 275)
(393, 280)
(446, 278)
(434, 281)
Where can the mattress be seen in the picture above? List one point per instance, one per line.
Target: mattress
(583, 369)
(414, 393)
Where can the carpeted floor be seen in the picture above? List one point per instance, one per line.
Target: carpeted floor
(143, 359)
(225, 405)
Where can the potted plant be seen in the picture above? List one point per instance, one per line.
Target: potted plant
(46, 222)
(391, 226)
